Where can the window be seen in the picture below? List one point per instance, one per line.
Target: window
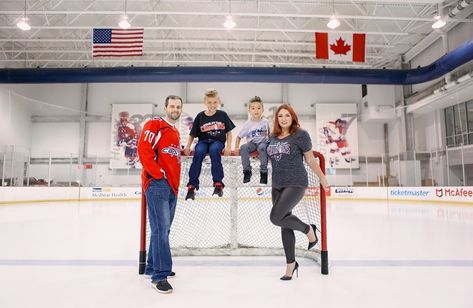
(460, 124)
(449, 126)
(469, 116)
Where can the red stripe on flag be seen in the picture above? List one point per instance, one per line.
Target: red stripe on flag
(321, 45)
(119, 47)
(127, 32)
(126, 38)
(120, 55)
(359, 47)
(134, 50)
(127, 42)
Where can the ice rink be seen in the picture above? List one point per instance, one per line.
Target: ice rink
(381, 255)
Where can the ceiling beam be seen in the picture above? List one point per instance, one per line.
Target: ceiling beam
(213, 29)
(188, 52)
(234, 14)
(194, 62)
(196, 41)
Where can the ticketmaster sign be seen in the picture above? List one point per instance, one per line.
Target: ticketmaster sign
(401, 192)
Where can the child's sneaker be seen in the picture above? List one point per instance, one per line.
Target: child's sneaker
(190, 192)
(263, 178)
(246, 176)
(218, 190)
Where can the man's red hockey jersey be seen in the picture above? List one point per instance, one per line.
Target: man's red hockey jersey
(160, 153)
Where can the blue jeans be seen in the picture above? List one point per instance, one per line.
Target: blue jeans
(161, 203)
(249, 147)
(214, 148)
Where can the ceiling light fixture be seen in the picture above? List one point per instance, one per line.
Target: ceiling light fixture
(439, 19)
(439, 22)
(229, 22)
(333, 22)
(124, 23)
(22, 22)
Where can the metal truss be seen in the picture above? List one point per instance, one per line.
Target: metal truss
(268, 33)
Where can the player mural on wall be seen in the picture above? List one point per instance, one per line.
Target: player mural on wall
(127, 123)
(127, 138)
(335, 136)
(187, 120)
(185, 125)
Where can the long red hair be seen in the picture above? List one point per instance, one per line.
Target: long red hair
(277, 130)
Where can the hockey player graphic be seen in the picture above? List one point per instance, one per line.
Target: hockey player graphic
(127, 138)
(335, 135)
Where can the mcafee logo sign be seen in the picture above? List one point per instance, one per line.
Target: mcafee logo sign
(457, 192)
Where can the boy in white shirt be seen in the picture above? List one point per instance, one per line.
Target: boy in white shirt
(256, 131)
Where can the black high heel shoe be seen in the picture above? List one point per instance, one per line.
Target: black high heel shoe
(312, 244)
(296, 269)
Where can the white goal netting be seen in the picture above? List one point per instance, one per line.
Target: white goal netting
(237, 223)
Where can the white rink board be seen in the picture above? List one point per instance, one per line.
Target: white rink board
(38, 194)
(42, 194)
(358, 192)
(462, 195)
(425, 194)
(436, 194)
(106, 193)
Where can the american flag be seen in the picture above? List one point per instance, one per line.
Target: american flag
(117, 42)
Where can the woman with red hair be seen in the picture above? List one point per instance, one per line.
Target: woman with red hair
(289, 145)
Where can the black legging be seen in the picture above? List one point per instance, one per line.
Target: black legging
(284, 200)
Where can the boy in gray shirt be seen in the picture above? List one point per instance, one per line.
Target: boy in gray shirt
(256, 131)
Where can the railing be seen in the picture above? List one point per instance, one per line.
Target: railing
(440, 167)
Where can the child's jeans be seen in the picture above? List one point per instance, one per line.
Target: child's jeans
(214, 148)
(249, 147)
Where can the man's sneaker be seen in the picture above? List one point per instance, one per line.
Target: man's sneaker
(246, 176)
(163, 286)
(263, 178)
(190, 192)
(218, 190)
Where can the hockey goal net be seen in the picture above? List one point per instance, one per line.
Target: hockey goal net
(238, 223)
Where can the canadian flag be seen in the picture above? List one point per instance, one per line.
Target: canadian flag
(340, 46)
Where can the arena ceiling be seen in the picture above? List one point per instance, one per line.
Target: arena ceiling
(191, 32)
